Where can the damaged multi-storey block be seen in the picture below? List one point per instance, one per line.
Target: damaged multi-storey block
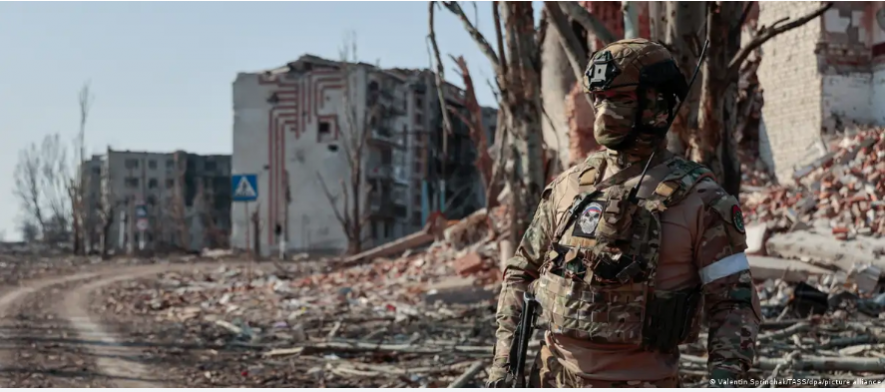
(147, 201)
(819, 79)
(322, 135)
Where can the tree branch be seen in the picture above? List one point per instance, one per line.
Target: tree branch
(478, 38)
(440, 71)
(341, 219)
(766, 33)
(577, 57)
(587, 20)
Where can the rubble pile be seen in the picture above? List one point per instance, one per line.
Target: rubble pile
(829, 327)
(360, 327)
(841, 190)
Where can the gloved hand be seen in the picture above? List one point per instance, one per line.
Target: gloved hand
(498, 374)
(497, 377)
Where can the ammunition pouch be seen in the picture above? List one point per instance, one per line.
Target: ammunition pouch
(671, 319)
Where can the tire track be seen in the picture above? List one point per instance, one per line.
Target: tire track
(48, 338)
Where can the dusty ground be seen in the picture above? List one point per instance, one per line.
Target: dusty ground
(51, 339)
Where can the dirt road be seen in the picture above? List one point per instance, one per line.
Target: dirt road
(48, 338)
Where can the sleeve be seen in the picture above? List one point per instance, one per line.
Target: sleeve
(519, 272)
(730, 301)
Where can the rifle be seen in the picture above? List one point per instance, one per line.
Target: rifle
(522, 336)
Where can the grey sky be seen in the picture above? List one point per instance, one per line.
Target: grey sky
(161, 72)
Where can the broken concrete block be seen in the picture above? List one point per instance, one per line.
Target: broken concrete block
(865, 277)
(469, 264)
(756, 236)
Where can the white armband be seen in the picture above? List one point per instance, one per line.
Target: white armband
(729, 265)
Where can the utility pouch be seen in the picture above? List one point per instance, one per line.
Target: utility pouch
(617, 218)
(669, 319)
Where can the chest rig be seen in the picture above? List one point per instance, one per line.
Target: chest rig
(597, 282)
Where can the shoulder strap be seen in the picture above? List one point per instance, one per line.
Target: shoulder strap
(588, 191)
(683, 177)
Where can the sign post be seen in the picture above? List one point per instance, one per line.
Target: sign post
(244, 188)
(141, 223)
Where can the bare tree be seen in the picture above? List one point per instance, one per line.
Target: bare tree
(349, 203)
(473, 119)
(714, 144)
(27, 186)
(76, 185)
(28, 230)
(517, 78)
(106, 209)
(54, 178)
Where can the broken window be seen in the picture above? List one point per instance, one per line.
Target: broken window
(324, 131)
(131, 164)
(131, 182)
(152, 183)
(152, 164)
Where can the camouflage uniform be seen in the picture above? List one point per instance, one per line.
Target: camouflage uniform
(593, 268)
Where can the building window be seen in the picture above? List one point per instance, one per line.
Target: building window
(131, 182)
(152, 183)
(405, 135)
(152, 164)
(419, 102)
(419, 119)
(386, 156)
(210, 166)
(151, 201)
(388, 229)
(170, 164)
(416, 219)
(324, 132)
(170, 183)
(131, 164)
(419, 168)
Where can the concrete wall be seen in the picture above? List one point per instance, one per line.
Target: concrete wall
(275, 142)
(877, 102)
(793, 89)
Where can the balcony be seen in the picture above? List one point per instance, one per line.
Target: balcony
(385, 135)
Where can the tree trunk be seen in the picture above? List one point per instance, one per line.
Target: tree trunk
(714, 143)
(630, 9)
(523, 115)
(684, 38)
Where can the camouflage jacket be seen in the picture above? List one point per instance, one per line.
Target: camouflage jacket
(731, 306)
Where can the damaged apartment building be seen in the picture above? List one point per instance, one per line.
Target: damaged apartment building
(819, 79)
(295, 131)
(157, 201)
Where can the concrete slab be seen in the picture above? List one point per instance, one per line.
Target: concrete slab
(823, 248)
(764, 268)
(458, 290)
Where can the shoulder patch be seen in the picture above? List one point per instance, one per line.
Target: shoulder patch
(737, 219)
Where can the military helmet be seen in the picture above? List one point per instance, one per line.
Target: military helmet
(634, 66)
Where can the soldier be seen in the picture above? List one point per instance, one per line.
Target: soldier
(621, 282)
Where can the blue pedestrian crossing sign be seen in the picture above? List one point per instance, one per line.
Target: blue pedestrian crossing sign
(244, 187)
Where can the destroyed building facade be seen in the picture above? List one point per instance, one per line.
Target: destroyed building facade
(819, 79)
(157, 201)
(292, 130)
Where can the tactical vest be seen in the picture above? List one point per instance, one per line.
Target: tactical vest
(597, 282)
